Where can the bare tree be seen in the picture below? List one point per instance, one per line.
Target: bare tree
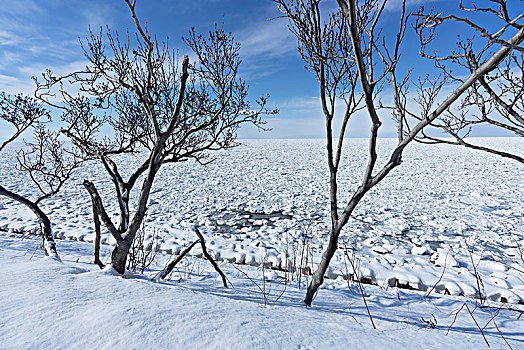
(496, 98)
(47, 161)
(158, 112)
(352, 57)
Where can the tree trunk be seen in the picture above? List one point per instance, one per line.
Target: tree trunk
(336, 228)
(124, 212)
(45, 224)
(121, 251)
(96, 220)
(167, 270)
(318, 275)
(119, 257)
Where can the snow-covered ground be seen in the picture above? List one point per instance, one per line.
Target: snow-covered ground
(45, 304)
(267, 199)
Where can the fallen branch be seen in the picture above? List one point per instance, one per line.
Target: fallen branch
(355, 272)
(169, 267)
(474, 320)
(167, 270)
(208, 257)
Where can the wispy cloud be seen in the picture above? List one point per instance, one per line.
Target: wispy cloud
(8, 38)
(16, 85)
(266, 39)
(396, 5)
(99, 15)
(264, 43)
(29, 44)
(301, 105)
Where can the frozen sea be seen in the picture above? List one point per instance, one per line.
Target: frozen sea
(443, 211)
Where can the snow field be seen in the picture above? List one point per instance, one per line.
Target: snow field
(49, 305)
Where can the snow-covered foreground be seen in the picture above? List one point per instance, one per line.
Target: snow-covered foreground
(45, 304)
(267, 201)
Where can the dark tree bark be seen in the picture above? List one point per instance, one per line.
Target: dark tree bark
(208, 257)
(98, 238)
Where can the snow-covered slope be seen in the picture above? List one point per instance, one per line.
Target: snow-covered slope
(49, 305)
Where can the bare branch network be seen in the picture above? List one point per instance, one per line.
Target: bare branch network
(496, 97)
(160, 108)
(354, 60)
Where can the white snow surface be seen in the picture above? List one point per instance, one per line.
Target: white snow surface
(45, 304)
(265, 200)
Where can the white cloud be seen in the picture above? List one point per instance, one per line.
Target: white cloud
(263, 43)
(284, 128)
(21, 82)
(396, 5)
(8, 38)
(13, 85)
(302, 117)
(98, 15)
(266, 39)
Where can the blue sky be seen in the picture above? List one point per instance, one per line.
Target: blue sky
(36, 35)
